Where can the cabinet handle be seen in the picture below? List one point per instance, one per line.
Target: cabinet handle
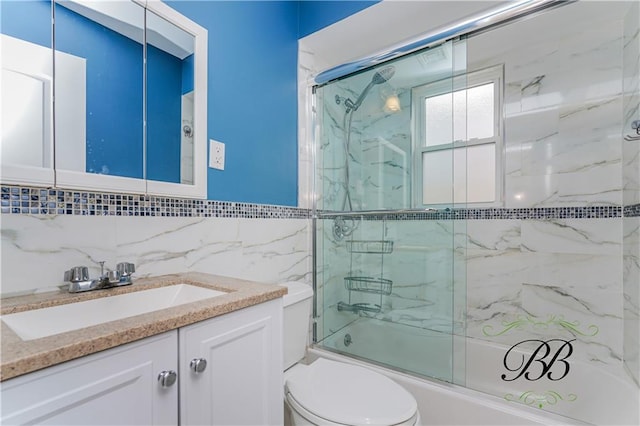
(167, 378)
(198, 365)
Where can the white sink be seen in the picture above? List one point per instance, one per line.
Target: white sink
(45, 322)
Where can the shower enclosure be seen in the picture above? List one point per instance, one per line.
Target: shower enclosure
(469, 208)
(383, 268)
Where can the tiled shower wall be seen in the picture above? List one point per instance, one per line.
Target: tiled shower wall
(631, 193)
(563, 121)
(539, 256)
(43, 237)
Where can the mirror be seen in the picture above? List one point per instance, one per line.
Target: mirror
(178, 40)
(120, 125)
(99, 69)
(170, 60)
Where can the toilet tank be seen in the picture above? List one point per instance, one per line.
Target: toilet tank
(296, 319)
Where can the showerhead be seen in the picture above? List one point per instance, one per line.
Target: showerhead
(380, 76)
(383, 74)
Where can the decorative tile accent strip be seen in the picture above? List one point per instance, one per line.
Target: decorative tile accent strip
(47, 201)
(632, 210)
(43, 201)
(594, 212)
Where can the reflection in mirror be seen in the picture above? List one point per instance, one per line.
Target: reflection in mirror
(99, 136)
(26, 92)
(188, 49)
(170, 77)
(99, 87)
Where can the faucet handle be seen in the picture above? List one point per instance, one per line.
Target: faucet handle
(112, 277)
(77, 274)
(125, 268)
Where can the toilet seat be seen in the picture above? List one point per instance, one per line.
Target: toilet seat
(333, 392)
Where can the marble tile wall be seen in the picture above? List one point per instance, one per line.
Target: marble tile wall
(379, 149)
(563, 145)
(562, 104)
(547, 269)
(631, 192)
(37, 249)
(631, 294)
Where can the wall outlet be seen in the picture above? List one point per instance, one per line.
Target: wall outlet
(216, 154)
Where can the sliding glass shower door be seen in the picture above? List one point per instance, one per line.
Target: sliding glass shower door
(389, 248)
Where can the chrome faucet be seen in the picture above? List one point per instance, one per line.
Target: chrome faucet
(79, 280)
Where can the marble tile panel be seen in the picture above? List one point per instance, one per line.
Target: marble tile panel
(566, 189)
(276, 253)
(631, 171)
(156, 245)
(575, 272)
(170, 245)
(631, 108)
(512, 160)
(631, 295)
(595, 316)
(531, 126)
(493, 235)
(576, 236)
(495, 266)
(491, 313)
(512, 98)
(37, 250)
(520, 64)
(556, 82)
(587, 137)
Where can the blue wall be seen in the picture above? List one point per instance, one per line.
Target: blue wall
(27, 20)
(252, 105)
(318, 14)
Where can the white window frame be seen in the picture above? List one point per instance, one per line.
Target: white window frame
(494, 74)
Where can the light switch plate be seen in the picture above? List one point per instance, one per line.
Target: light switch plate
(216, 154)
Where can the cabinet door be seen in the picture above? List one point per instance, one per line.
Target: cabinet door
(116, 387)
(242, 382)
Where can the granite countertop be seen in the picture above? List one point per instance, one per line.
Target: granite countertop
(19, 357)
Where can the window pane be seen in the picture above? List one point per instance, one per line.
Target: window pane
(438, 119)
(462, 175)
(437, 178)
(480, 112)
(460, 115)
(476, 170)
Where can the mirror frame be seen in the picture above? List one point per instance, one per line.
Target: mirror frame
(67, 179)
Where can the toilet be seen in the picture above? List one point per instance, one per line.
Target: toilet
(328, 392)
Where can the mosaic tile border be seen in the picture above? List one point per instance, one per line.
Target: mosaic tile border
(47, 201)
(593, 212)
(632, 210)
(44, 201)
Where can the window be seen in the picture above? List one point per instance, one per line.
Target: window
(457, 139)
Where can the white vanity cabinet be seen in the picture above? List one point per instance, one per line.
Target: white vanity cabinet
(241, 383)
(116, 387)
(242, 380)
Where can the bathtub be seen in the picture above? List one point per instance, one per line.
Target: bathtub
(587, 396)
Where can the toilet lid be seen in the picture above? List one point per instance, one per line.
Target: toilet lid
(350, 395)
